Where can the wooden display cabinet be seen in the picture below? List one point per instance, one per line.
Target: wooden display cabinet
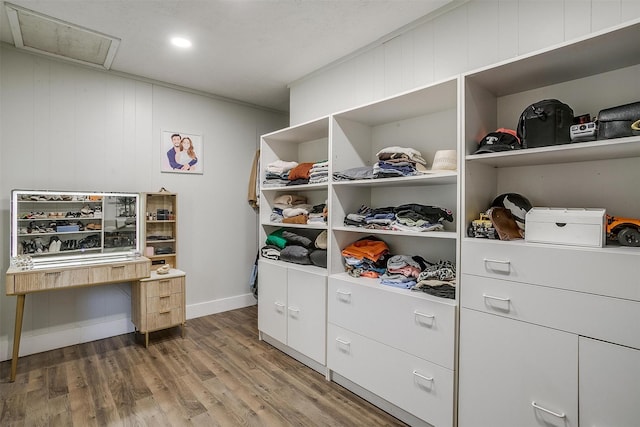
(160, 228)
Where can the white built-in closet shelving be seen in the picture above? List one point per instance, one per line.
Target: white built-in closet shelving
(292, 297)
(548, 333)
(363, 317)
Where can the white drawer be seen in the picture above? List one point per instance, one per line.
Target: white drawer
(589, 315)
(421, 388)
(613, 272)
(403, 319)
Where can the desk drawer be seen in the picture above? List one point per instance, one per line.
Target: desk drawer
(162, 304)
(611, 319)
(42, 281)
(403, 319)
(419, 387)
(612, 272)
(118, 273)
(164, 319)
(164, 287)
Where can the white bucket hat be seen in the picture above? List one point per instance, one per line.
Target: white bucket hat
(445, 160)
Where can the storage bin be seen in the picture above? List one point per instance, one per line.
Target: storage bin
(566, 226)
(67, 228)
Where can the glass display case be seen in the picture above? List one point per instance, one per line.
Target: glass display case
(74, 226)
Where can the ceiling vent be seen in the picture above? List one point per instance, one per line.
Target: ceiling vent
(49, 36)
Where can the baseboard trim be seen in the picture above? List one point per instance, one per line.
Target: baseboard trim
(32, 343)
(220, 305)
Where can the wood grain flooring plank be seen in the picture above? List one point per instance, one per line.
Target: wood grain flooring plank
(236, 377)
(13, 409)
(37, 415)
(83, 411)
(57, 381)
(164, 393)
(103, 404)
(59, 411)
(184, 397)
(149, 413)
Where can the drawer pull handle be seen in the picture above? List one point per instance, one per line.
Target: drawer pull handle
(165, 296)
(117, 266)
(165, 312)
(419, 375)
(344, 342)
(555, 414)
(53, 273)
(428, 316)
(343, 295)
(295, 310)
(279, 306)
(496, 261)
(496, 298)
(163, 281)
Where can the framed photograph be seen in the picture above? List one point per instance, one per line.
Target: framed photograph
(181, 152)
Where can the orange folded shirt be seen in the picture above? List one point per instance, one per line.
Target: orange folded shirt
(300, 172)
(370, 249)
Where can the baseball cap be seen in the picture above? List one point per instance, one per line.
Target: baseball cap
(500, 140)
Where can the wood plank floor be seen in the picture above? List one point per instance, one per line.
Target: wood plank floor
(220, 374)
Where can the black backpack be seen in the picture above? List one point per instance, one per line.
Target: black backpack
(546, 122)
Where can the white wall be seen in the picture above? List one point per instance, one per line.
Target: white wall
(65, 127)
(475, 34)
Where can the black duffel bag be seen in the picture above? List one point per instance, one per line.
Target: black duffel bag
(616, 122)
(546, 122)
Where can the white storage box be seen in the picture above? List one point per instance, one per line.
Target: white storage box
(566, 226)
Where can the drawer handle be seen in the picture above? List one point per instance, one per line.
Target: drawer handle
(165, 312)
(53, 273)
(344, 342)
(343, 295)
(496, 298)
(295, 310)
(428, 316)
(555, 414)
(419, 375)
(117, 266)
(165, 296)
(496, 261)
(279, 306)
(163, 281)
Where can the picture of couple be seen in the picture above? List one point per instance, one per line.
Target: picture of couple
(182, 153)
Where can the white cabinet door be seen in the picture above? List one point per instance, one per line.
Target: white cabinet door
(306, 308)
(514, 373)
(609, 384)
(272, 301)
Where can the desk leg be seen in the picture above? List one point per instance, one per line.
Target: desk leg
(16, 336)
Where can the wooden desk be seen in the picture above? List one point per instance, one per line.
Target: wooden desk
(85, 273)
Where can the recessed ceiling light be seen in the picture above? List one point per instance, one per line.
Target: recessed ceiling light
(180, 42)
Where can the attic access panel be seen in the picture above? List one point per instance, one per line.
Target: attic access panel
(43, 34)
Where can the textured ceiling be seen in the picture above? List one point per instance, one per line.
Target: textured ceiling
(247, 50)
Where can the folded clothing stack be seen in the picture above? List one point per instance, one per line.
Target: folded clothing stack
(298, 246)
(319, 172)
(277, 173)
(406, 217)
(290, 206)
(366, 257)
(398, 161)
